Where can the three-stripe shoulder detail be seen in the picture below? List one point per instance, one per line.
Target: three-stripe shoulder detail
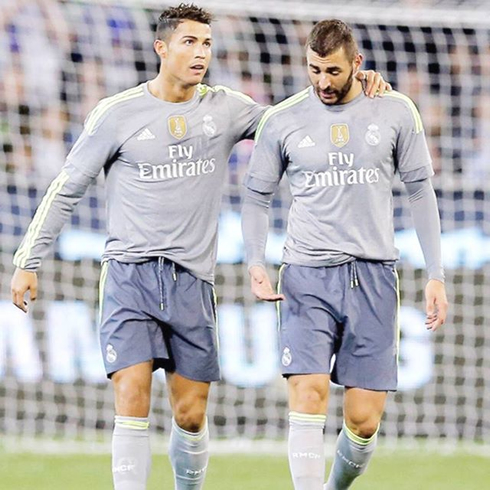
(105, 104)
(203, 89)
(411, 106)
(285, 104)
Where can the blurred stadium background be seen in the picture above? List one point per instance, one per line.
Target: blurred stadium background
(58, 58)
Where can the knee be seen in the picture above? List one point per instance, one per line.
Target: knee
(311, 401)
(190, 414)
(363, 425)
(132, 396)
(309, 398)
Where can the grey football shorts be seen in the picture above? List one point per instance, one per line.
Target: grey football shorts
(349, 311)
(156, 310)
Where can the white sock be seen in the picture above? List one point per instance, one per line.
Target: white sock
(131, 456)
(189, 456)
(306, 450)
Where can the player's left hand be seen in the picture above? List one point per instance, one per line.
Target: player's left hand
(374, 83)
(261, 285)
(436, 304)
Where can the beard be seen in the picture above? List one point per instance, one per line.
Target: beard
(338, 93)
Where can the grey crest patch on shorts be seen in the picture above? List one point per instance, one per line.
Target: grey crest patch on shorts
(158, 310)
(349, 311)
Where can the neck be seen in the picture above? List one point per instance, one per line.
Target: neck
(354, 91)
(168, 89)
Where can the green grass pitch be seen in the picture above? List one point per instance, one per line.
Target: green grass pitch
(389, 470)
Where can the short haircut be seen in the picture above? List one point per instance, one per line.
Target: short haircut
(170, 18)
(328, 36)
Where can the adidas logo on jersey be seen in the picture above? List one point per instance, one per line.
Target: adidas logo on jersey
(306, 142)
(146, 134)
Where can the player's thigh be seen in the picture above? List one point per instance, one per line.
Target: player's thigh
(129, 333)
(188, 399)
(132, 389)
(308, 393)
(373, 307)
(363, 410)
(192, 318)
(308, 330)
(367, 356)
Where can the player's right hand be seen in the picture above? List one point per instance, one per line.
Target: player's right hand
(436, 304)
(23, 281)
(261, 285)
(374, 83)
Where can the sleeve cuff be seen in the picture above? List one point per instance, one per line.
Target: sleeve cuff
(420, 173)
(437, 275)
(259, 185)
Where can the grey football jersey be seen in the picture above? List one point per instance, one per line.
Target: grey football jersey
(165, 165)
(340, 161)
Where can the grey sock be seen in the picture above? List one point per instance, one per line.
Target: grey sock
(189, 456)
(352, 455)
(131, 456)
(306, 450)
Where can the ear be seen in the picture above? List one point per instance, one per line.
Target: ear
(161, 48)
(358, 62)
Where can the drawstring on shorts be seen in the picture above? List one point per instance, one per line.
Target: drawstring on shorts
(354, 279)
(161, 261)
(161, 285)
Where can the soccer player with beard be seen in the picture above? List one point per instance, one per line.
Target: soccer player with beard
(338, 285)
(164, 147)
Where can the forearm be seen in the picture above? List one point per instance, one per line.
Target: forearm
(255, 225)
(425, 215)
(54, 211)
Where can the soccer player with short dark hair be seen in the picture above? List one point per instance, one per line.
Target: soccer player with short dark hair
(164, 147)
(338, 285)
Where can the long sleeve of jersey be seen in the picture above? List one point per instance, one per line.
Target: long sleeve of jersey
(95, 147)
(255, 225)
(265, 171)
(425, 215)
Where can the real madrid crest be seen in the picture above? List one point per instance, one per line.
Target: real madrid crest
(373, 136)
(339, 134)
(208, 126)
(111, 354)
(286, 357)
(177, 126)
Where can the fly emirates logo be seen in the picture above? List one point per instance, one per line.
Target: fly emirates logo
(182, 164)
(340, 172)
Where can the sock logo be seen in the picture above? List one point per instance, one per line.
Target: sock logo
(125, 465)
(196, 472)
(306, 455)
(347, 461)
